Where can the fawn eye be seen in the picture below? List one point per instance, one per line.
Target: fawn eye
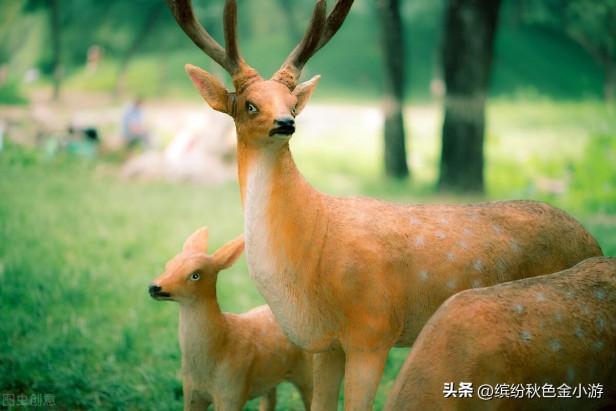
(294, 111)
(195, 276)
(251, 108)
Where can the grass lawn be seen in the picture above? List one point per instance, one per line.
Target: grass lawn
(78, 246)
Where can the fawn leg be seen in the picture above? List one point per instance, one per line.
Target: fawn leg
(327, 375)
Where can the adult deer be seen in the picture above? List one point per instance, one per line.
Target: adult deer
(351, 277)
(557, 330)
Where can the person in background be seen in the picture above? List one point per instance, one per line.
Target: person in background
(134, 131)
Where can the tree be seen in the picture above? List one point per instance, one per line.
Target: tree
(470, 26)
(589, 23)
(150, 18)
(56, 32)
(392, 40)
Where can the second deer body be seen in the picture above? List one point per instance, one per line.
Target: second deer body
(557, 329)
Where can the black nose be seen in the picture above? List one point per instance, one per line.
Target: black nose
(285, 122)
(154, 289)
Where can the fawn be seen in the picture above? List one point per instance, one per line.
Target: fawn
(348, 278)
(557, 329)
(227, 358)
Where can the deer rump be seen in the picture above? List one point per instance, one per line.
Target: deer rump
(376, 274)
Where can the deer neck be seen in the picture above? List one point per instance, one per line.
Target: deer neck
(202, 328)
(283, 214)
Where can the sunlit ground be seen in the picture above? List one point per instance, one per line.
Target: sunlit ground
(78, 244)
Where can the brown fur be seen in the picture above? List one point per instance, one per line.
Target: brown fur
(558, 328)
(351, 277)
(227, 358)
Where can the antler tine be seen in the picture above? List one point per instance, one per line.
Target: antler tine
(310, 42)
(230, 23)
(183, 12)
(320, 30)
(334, 20)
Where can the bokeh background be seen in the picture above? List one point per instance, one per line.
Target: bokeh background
(86, 222)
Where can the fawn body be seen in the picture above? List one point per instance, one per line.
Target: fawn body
(227, 358)
(349, 278)
(556, 329)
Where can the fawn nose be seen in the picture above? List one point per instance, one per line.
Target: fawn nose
(285, 122)
(154, 289)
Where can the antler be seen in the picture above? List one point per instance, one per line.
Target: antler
(230, 59)
(318, 34)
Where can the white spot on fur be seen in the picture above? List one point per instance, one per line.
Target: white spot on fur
(570, 374)
(497, 229)
(423, 274)
(440, 235)
(419, 240)
(558, 316)
(501, 267)
(415, 221)
(466, 232)
(526, 336)
(598, 345)
(476, 283)
(451, 256)
(478, 265)
(444, 220)
(600, 322)
(579, 333)
(462, 244)
(540, 297)
(600, 294)
(518, 308)
(515, 247)
(451, 284)
(555, 345)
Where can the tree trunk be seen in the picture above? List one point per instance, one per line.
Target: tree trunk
(392, 40)
(470, 27)
(148, 25)
(54, 14)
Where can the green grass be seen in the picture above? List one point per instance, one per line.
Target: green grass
(78, 246)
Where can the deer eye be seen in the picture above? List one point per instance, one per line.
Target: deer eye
(251, 108)
(195, 276)
(294, 111)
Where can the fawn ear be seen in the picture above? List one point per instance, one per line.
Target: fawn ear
(303, 91)
(210, 88)
(226, 255)
(197, 241)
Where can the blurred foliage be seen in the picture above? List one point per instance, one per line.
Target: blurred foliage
(530, 59)
(11, 93)
(593, 186)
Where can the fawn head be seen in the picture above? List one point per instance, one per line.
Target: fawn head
(191, 275)
(264, 111)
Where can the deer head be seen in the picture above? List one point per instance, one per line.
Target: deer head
(191, 275)
(264, 111)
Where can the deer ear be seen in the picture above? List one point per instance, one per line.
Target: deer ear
(226, 255)
(197, 242)
(303, 91)
(210, 88)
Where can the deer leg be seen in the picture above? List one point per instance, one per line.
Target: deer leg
(363, 372)
(268, 401)
(327, 375)
(192, 399)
